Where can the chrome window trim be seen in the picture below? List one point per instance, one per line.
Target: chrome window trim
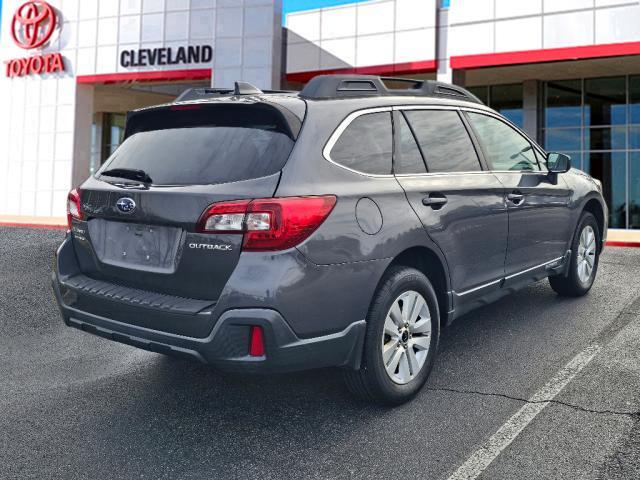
(505, 120)
(333, 139)
(337, 133)
(522, 172)
(425, 107)
(439, 174)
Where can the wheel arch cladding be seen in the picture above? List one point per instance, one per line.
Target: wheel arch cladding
(594, 207)
(428, 262)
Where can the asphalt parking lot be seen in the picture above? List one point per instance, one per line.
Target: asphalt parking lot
(77, 406)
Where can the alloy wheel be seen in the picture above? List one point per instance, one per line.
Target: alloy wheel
(407, 337)
(586, 254)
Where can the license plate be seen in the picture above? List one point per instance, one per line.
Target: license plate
(146, 247)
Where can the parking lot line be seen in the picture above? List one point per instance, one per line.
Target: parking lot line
(487, 453)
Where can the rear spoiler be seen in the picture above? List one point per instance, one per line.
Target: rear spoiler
(185, 115)
(240, 88)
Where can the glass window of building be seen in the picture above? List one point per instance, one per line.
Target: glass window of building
(597, 122)
(634, 190)
(605, 101)
(506, 99)
(481, 92)
(563, 104)
(113, 132)
(610, 169)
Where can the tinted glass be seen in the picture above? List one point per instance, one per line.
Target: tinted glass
(609, 168)
(203, 155)
(366, 145)
(634, 99)
(408, 159)
(563, 104)
(576, 159)
(634, 138)
(481, 92)
(505, 148)
(507, 99)
(204, 145)
(605, 101)
(114, 125)
(564, 139)
(606, 138)
(634, 190)
(444, 141)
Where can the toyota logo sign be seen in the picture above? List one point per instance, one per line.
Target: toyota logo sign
(33, 24)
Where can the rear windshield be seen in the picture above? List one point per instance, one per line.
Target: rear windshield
(201, 145)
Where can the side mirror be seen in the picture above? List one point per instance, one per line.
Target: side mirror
(558, 162)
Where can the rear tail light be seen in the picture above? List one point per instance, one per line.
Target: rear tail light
(256, 342)
(224, 217)
(268, 224)
(73, 207)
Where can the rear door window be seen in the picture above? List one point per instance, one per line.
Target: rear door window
(204, 145)
(504, 147)
(407, 158)
(366, 145)
(444, 141)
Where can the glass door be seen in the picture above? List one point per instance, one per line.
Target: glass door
(112, 133)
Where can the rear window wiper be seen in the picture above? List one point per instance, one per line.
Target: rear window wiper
(129, 174)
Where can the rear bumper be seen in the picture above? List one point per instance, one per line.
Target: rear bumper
(225, 347)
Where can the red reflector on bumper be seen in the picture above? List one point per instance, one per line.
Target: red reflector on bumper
(256, 342)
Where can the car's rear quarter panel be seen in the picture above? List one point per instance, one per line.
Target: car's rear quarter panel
(351, 260)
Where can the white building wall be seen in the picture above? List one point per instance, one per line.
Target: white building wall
(46, 120)
(248, 43)
(37, 126)
(379, 32)
(496, 26)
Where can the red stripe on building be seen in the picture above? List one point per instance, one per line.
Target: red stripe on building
(42, 226)
(426, 66)
(156, 76)
(545, 55)
(622, 244)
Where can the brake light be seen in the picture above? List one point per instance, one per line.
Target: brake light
(185, 107)
(73, 207)
(268, 224)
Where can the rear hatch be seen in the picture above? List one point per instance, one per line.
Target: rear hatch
(140, 212)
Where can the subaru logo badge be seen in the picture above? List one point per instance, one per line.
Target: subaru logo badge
(126, 205)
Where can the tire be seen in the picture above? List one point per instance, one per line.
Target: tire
(413, 347)
(577, 283)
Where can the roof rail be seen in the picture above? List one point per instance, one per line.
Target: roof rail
(337, 86)
(240, 88)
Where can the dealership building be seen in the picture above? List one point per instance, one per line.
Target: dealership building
(567, 72)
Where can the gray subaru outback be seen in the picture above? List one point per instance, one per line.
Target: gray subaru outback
(341, 226)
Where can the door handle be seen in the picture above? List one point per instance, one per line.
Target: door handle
(516, 197)
(434, 201)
